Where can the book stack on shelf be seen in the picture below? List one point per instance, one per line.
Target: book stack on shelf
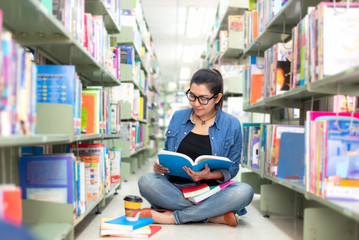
(317, 159)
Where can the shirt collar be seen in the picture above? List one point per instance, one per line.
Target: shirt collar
(217, 121)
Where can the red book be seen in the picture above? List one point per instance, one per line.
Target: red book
(192, 191)
(10, 199)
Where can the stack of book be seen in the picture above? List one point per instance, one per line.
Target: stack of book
(199, 193)
(120, 227)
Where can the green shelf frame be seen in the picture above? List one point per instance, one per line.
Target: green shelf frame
(234, 8)
(342, 83)
(39, 29)
(97, 7)
(345, 207)
(91, 205)
(52, 231)
(16, 141)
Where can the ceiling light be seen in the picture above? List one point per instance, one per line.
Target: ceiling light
(179, 51)
(194, 21)
(188, 53)
(185, 73)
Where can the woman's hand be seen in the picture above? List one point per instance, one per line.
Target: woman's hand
(158, 168)
(201, 175)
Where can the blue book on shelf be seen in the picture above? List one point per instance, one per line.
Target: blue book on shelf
(47, 177)
(291, 155)
(56, 84)
(343, 149)
(131, 225)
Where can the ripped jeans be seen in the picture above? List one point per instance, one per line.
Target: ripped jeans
(161, 193)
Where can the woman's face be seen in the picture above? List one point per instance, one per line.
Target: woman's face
(202, 91)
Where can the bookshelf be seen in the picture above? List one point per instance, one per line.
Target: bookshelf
(98, 7)
(285, 19)
(313, 207)
(41, 31)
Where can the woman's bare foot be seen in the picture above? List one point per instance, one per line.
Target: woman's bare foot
(163, 218)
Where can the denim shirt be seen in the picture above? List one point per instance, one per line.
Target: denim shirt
(225, 136)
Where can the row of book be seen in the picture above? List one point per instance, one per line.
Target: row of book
(312, 54)
(135, 133)
(255, 21)
(85, 173)
(18, 88)
(332, 159)
(89, 30)
(271, 147)
(322, 42)
(323, 155)
(267, 10)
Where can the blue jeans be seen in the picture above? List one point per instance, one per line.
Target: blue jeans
(161, 193)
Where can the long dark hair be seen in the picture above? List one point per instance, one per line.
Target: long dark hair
(213, 79)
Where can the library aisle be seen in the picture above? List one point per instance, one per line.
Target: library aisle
(250, 226)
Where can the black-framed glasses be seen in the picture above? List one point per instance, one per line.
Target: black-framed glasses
(202, 100)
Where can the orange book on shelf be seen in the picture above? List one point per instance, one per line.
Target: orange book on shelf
(256, 87)
(255, 24)
(88, 114)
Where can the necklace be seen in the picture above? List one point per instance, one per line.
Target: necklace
(204, 121)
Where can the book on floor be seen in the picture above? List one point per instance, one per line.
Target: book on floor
(111, 229)
(175, 162)
(122, 224)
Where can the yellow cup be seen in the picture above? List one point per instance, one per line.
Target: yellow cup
(132, 207)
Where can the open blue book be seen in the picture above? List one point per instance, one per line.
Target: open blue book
(175, 162)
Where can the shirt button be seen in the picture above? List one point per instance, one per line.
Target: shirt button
(169, 131)
(212, 138)
(215, 154)
(185, 133)
(175, 147)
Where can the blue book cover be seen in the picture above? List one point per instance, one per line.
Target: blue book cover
(56, 84)
(47, 177)
(175, 162)
(291, 156)
(131, 225)
(342, 149)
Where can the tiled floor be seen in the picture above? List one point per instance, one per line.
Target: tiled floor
(251, 226)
